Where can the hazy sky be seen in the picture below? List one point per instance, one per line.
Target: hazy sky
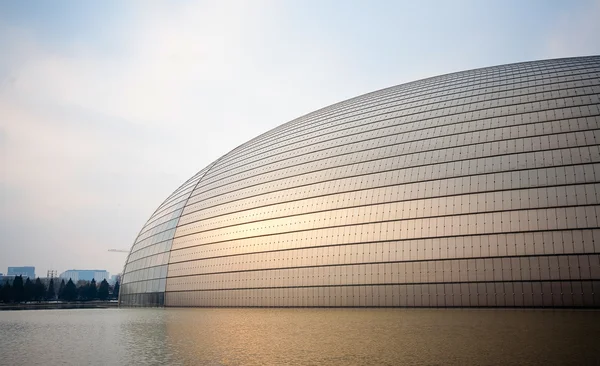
(107, 107)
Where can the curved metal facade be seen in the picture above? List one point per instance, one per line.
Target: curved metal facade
(478, 188)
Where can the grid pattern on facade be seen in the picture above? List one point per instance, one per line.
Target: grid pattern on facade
(145, 272)
(478, 188)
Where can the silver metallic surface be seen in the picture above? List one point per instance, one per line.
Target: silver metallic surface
(477, 188)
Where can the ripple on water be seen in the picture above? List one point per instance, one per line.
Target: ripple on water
(299, 337)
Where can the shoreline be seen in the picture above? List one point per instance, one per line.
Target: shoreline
(60, 305)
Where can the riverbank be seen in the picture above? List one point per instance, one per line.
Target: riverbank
(61, 305)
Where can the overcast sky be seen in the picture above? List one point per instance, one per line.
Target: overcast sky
(107, 107)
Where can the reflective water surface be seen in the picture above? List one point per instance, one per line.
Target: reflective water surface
(299, 337)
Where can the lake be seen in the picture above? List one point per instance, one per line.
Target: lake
(299, 337)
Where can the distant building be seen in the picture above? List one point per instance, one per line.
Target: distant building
(114, 279)
(51, 273)
(21, 271)
(4, 279)
(85, 275)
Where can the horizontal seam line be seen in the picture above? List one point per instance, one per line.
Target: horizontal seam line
(257, 153)
(400, 220)
(390, 284)
(427, 151)
(392, 262)
(458, 98)
(295, 175)
(382, 146)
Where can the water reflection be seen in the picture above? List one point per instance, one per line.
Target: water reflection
(369, 336)
(299, 337)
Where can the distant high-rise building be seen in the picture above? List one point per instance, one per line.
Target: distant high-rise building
(51, 273)
(21, 271)
(85, 275)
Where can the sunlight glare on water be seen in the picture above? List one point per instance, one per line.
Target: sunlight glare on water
(299, 337)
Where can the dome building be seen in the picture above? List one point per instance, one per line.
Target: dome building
(473, 189)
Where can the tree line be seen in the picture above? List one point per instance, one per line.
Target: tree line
(27, 291)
